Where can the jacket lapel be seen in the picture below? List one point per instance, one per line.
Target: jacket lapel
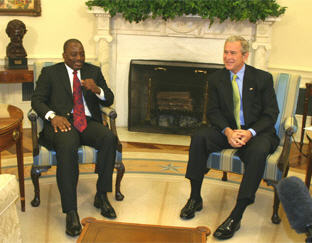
(227, 90)
(83, 74)
(64, 75)
(247, 84)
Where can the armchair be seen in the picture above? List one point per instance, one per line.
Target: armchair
(43, 158)
(277, 166)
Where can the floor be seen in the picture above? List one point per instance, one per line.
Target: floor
(155, 191)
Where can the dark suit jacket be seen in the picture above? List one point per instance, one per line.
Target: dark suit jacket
(53, 92)
(258, 99)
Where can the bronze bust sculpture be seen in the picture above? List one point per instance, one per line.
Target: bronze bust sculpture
(15, 52)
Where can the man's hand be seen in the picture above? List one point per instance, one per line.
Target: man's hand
(245, 135)
(237, 138)
(61, 123)
(89, 84)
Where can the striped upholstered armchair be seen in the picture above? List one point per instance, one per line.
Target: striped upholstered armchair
(286, 88)
(43, 158)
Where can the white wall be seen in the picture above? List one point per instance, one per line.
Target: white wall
(291, 45)
(60, 20)
(64, 19)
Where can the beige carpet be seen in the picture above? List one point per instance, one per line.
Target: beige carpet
(155, 199)
(155, 191)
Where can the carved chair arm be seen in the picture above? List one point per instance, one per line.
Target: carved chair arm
(110, 113)
(291, 122)
(33, 117)
(291, 127)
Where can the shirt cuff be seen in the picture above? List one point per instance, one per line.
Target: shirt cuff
(101, 96)
(253, 132)
(47, 115)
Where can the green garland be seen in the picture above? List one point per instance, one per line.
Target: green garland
(235, 10)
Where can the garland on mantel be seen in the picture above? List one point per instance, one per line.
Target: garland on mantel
(234, 10)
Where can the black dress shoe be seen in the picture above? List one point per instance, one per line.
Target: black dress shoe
(227, 229)
(101, 201)
(190, 208)
(73, 226)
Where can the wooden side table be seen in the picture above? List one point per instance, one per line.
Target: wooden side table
(11, 132)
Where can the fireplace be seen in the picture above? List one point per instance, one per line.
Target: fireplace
(168, 96)
(187, 38)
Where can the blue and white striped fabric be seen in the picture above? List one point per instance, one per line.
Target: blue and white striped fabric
(287, 89)
(86, 155)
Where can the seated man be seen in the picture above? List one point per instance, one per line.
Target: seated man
(67, 97)
(242, 111)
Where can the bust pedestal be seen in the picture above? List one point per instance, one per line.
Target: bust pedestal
(15, 63)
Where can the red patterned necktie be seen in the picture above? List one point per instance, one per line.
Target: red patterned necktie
(80, 121)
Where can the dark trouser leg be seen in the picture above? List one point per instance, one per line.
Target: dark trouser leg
(203, 143)
(102, 139)
(195, 190)
(66, 146)
(254, 157)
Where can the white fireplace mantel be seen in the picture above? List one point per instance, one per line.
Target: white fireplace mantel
(188, 38)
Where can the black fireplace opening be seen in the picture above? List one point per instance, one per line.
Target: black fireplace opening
(168, 96)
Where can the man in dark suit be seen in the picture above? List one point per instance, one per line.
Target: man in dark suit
(242, 111)
(67, 97)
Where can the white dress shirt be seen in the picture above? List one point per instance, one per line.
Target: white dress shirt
(71, 78)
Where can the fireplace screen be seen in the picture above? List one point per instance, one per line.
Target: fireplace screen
(168, 96)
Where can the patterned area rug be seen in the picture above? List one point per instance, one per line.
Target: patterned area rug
(140, 162)
(154, 199)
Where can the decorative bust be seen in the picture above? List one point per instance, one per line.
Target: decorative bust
(16, 30)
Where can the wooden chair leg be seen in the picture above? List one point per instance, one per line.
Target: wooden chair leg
(120, 172)
(35, 174)
(275, 217)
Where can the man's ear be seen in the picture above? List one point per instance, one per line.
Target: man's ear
(246, 55)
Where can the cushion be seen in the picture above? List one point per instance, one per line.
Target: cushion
(226, 160)
(86, 155)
